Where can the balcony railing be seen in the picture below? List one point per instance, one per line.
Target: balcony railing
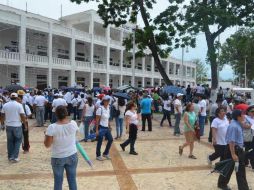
(115, 68)
(100, 66)
(82, 34)
(9, 55)
(114, 42)
(63, 62)
(100, 38)
(37, 58)
(83, 64)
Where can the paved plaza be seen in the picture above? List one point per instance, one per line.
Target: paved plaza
(157, 167)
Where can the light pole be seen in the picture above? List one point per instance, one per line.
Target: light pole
(134, 57)
(245, 72)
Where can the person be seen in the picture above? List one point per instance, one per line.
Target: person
(234, 150)
(68, 98)
(131, 121)
(190, 119)
(25, 144)
(219, 129)
(212, 116)
(87, 116)
(103, 128)
(62, 137)
(58, 101)
(40, 102)
(48, 107)
(178, 113)
(82, 104)
(13, 116)
(166, 110)
(146, 112)
(202, 113)
(119, 105)
(75, 105)
(248, 137)
(188, 94)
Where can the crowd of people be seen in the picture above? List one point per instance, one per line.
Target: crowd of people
(230, 119)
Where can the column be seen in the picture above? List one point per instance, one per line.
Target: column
(108, 55)
(22, 51)
(159, 81)
(73, 63)
(50, 47)
(144, 71)
(133, 59)
(91, 32)
(152, 69)
(121, 60)
(143, 82)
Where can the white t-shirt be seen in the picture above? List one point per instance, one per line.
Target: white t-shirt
(40, 101)
(89, 110)
(82, 104)
(105, 114)
(64, 139)
(98, 103)
(200, 90)
(202, 104)
(133, 117)
(178, 103)
(75, 102)
(27, 110)
(68, 97)
(12, 111)
(222, 127)
(58, 102)
(167, 105)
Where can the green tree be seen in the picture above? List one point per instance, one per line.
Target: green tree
(213, 17)
(201, 72)
(237, 49)
(159, 34)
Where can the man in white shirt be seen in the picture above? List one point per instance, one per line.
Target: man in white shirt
(76, 101)
(12, 116)
(58, 101)
(68, 98)
(202, 113)
(178, 113)
(200, 89)
(39, 104)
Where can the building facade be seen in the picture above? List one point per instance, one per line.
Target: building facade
(37, 51)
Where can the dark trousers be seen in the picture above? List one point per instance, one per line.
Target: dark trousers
(219, 152)
(166, 115)
(25, 143)
(240, 175)
(48, 112)
(69, 108)
(149, 120)
(249, 154)
(75, 113)
(210, 132)
(104, 132)
(132, 137)
(177, 123)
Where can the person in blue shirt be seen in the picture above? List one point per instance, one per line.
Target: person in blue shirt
(146, 112)
(234, 150)
(48, 107)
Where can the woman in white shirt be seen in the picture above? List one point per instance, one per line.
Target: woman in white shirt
(119, 105)
(166, 110)
(131, 121)
(87, 116)
(219, 129)
(62, 136)
(103, 128)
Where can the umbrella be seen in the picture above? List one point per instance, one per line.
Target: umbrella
(172, 90)
(14, 88)
(223, 167)
(122, 95)
(84, 154)
(107, 88)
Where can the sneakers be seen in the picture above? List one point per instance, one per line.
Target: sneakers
(133, 153)
(192, 157)
(209, 162)
(225, 188)
(107, 157)
(99, 158)
(15, 160)
(123, 147)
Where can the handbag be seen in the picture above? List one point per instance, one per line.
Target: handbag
(247, 135)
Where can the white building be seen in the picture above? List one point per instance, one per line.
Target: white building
(37, 51)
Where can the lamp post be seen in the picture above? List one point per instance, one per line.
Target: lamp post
(245, 72)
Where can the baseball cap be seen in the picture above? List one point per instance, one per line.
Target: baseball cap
(107, 98)
(14, 95)
(21, 92)
(179, 94)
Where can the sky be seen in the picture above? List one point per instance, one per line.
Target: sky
(52, 9)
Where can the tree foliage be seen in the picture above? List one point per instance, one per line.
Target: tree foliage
(213, 17)
(236, 49)
(160, 34)
(201, 72)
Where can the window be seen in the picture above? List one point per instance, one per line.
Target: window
(81, 81)
(63, 78)
(41, 77)
(96, 82)
(148, 67)
(14, 76)
(171, 68)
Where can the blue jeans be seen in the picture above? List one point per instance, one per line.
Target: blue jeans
(87, 123)
(14, 140)
(40, 112)
(119, 126)
(69, 164)
(75, 113)
(177, 123)
(201, 120)
(104, 131)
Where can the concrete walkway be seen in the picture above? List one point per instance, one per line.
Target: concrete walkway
(157, 167)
